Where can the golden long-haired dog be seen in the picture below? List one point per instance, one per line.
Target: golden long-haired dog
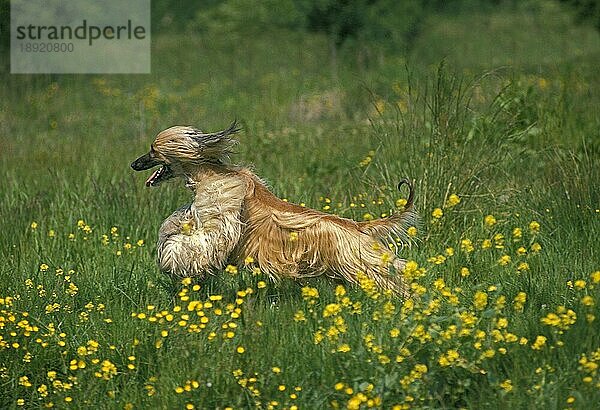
(234, 218)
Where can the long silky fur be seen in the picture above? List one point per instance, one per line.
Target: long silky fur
(235, 218)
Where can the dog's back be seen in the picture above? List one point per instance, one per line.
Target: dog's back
(285, 239)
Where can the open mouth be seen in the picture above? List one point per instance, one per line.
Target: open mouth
(148, 161)
(161, 174)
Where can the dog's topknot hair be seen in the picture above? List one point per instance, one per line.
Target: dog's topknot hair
(189, 144)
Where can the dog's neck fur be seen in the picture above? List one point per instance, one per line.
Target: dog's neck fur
(212, 219)
(212, 183)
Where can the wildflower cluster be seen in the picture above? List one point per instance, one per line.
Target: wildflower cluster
(111, 239)
(460, 325)
(440, 333)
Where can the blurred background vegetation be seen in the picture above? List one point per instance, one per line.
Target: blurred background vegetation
(367, 27)
(317, 70)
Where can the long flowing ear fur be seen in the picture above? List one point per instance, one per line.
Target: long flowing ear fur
(217, 145)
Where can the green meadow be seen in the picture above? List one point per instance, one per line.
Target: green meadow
(493, 114)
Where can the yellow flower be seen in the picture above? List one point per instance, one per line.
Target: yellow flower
(499, 241)
(502, 323)
(517, 233)
(366, 161)
(437, 213)
(412, 231)
(344, 348)
(580, 284)
(489, 220)
(536, 247)
(506, 385)
(299, 316)
(480, 300)
(453, 200)
(519, 301)
(309, 293)
(587, 301)
(534, 227)
(24, 381)
(562, 319)
(464, 272)
(231, 269)
(539, 342)
(401, 202)
(448, 358)
(240, 349)
(332, 310)
(34, 225)
(595, 277)
(466, 245)
(504, 260)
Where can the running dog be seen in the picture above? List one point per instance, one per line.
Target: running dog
(235, 219)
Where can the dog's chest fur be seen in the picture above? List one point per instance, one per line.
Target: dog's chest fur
(204, 233)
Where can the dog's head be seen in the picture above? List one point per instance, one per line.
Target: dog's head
(180, 151)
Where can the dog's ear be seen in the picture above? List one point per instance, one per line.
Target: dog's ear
(216, 137)
(216, 146)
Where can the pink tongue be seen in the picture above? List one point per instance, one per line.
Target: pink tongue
(151, 178)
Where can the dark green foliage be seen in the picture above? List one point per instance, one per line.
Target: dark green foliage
(4, 25)
(586, 10)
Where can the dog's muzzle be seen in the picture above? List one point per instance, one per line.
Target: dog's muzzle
(146, 162)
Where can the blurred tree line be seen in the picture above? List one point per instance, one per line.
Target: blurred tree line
(586, 10)
(388, 24)
(394, 23)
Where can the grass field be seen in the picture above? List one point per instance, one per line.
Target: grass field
(502, 139)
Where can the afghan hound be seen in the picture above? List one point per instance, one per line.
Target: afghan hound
(235, 219)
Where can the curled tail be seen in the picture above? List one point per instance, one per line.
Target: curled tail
(394, 228)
